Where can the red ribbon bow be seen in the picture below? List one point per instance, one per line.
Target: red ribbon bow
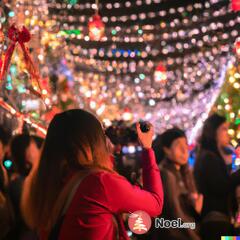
(20, 36)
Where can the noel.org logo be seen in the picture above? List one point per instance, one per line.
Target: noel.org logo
(139, 222)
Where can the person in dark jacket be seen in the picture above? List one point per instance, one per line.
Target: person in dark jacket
(6, 210)
(181, 199)
(213, 165)
(25, 151)
(212, 172)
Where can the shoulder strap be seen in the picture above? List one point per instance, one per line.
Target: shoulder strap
(115, 223)
(73, 184)
(78, 180)
(71, 195)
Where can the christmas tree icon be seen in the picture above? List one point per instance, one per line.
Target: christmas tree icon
(139, 225)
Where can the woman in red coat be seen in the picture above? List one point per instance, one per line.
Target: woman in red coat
(74, 193)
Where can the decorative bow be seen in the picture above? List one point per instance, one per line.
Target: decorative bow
(20, 36)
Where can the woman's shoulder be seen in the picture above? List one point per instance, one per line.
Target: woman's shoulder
(207, 161)
(95, 179)
(105, 176)
(205, 155)
(167, 167)
(102, 181)
(167, 174)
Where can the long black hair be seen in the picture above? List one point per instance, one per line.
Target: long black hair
(5, 136)
(208, 139)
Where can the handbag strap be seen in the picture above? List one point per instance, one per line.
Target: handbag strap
(79, 179)
(74, 183)
(72, 193)
(115, 223)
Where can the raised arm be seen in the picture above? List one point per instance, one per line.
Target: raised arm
(124, 197)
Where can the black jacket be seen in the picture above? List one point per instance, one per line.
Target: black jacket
(213, 181)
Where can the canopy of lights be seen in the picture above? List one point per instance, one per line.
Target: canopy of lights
(164, 61)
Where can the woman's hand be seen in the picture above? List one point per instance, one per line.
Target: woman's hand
(145, 138)
(197, 200)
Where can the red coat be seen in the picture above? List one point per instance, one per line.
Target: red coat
(102, 194)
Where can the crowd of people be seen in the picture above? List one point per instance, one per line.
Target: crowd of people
(82, 181)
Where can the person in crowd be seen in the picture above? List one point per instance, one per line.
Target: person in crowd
(25, 152)
(181, 199)
(4, 143)
(213, 165)
(157, 150)
(6, 210)
(74, 193)
(212, 172)
(235, 198)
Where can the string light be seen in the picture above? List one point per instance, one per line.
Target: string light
(228, 101)
(192, 42)
(27, 119)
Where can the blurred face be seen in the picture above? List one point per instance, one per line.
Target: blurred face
(178, 152)
(223, 138)
(32, 153)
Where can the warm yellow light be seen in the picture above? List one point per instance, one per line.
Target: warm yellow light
(236, 85)
(231, 132)
(234, 143)
(237, 75)
(127, 116)
(118, 93)
(232, 79)
(226, 100)
(227, 107)
(238, 135)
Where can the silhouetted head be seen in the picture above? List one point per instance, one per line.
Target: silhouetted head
(214, 133)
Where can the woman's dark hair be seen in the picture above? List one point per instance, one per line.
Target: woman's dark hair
(39, 141)
(165, 140)
(75, 141)
(4, 136)
(208, 137)
(4, 140)
(19, 145)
